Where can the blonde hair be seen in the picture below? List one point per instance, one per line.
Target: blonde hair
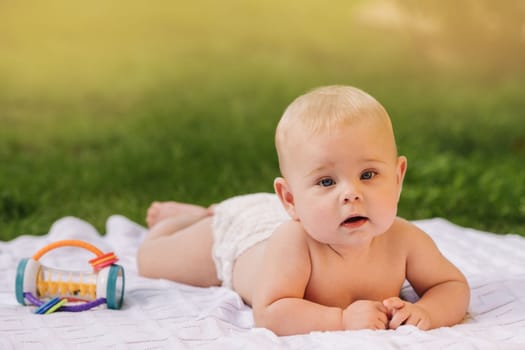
(327, 108)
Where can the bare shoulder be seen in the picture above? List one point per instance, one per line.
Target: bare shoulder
(403, 227)
(405, 234)
(288, 246)
(289, 234)
(286, 268)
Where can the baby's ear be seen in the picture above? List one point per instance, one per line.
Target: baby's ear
(401, 168)
(285, 196)
(401, 171)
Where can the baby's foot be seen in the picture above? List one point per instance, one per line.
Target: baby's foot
(159, 211)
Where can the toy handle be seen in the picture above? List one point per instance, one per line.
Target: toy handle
(67, 243)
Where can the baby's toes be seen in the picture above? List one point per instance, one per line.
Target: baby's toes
(211, 209)
(152, 214)
(154, 206)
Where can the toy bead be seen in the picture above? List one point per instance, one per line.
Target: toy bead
(102, 261)
(56, 306)
(47, 306)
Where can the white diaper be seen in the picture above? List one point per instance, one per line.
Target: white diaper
(238, 224)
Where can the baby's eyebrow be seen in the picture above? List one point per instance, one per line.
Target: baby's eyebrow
(364, 162)
(319, 169)
(374, 160)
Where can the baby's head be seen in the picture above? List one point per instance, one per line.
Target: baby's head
(326, 109)
(340, 170)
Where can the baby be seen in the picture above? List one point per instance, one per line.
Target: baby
(326, 251)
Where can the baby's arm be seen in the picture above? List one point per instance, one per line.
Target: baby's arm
(443, 290)
(279, 302)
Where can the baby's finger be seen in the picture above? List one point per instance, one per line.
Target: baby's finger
(399, 318)
(380, 324)
(382, 316)
(423, 324)
(393, 303)
(413, 320)
(381, 308)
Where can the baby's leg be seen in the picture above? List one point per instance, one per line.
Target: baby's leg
(180, 250)
(159, 211)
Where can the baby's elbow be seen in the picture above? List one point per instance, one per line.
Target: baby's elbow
(466, 295)
(263, 317)
(259, 317)
(463, 292)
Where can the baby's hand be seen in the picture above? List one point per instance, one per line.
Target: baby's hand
(403, 312)
(363, 314)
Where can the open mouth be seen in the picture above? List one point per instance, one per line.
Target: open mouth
(355, 221)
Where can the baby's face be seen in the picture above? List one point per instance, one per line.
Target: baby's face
(345, 183)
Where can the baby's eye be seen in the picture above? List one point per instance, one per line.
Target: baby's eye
(368, 175)
(326, 182)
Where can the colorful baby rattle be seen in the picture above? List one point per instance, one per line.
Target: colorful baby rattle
(59, 290)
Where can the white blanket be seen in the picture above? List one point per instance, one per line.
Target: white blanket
(159, 314)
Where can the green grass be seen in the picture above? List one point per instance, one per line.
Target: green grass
(106, 108)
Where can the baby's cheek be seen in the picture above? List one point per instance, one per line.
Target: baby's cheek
(385, 213)
(316, 225)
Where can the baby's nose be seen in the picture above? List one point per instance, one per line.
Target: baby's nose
(351, 195)
(351, 198)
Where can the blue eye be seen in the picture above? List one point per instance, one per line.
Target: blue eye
(368, 175)
(326, 182)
